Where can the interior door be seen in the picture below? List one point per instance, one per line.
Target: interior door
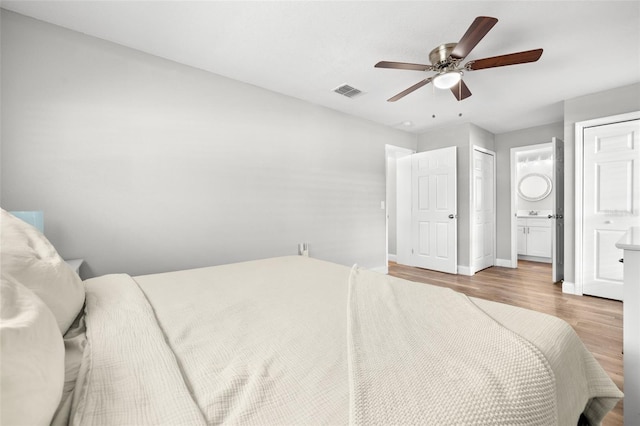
(484, 213)
(611, 203)
(558, 210)
(427, 214)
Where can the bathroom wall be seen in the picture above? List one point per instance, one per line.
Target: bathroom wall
(537, 161)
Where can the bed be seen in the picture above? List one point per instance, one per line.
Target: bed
(289, 340)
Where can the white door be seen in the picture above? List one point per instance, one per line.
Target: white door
(483, 211)
(557, 269)
(427, 215)
(611, 202)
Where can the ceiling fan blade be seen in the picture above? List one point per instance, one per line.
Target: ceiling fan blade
(461, 91)
(403, 66)
(504, 60)
(409, 90)
(476, 32)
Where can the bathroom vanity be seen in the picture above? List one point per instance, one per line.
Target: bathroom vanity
(535, 237)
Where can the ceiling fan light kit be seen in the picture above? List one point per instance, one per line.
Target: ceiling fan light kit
(447, 79)
(446, 58)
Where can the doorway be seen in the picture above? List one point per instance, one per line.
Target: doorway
(537, 205)
(392, 154)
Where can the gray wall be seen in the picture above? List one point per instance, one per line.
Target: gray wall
(504, 143)
(602, 104)
(144, 165)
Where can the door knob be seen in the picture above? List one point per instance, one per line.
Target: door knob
(451, 216)
(621, 260)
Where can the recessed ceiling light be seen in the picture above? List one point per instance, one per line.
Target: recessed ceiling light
(407, 123)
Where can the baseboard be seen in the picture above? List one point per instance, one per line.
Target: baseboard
(392, 257)
(464, 270)
(570, 288)
(380, 269)
(535, 258)
(505, 263)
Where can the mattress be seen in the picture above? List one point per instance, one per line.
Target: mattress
(295, 340)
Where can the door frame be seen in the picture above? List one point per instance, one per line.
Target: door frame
(514, 195)
(472, 267)
(395, 152)
(577, 286)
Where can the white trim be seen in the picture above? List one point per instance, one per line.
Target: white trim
(569, 288)
(505, 263)
(464, 270)
(535, 258)
(472, 267)
(578, 191)
(391, 257)
(380, 269)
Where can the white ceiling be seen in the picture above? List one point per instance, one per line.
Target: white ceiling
(305, 49)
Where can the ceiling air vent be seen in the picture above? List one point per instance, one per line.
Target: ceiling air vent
(347, 91)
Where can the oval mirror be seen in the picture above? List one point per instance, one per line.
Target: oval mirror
(534, 187)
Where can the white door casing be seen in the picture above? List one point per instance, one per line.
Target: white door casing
(610, 203)
(403, 211)
(483, 208)
(427, 214)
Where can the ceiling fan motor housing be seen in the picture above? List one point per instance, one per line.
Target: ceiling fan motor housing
(440, 57)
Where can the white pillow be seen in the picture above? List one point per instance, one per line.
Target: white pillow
(31, 259)
(32, 353)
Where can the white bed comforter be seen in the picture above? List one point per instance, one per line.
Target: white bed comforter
(427, 355)
(299, 341)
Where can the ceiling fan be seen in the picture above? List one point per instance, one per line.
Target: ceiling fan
(446, 58)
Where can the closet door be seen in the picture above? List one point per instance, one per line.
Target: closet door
(611, 203)
(483, 206)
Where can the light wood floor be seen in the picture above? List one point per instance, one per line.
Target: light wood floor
(597, 321)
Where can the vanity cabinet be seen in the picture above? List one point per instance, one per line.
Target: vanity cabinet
(534, 237)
